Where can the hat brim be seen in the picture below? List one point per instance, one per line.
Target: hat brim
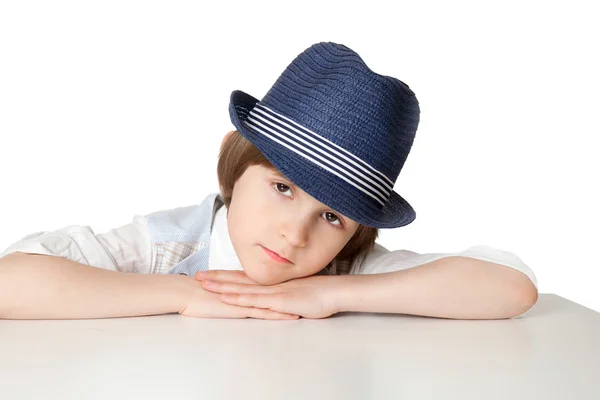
(397, 211)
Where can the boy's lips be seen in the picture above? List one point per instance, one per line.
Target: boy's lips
(274, 256)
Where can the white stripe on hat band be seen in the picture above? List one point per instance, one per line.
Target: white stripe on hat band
(312, 160)
(316, 138)
(330, 146)
(382, 193)
(278, 131)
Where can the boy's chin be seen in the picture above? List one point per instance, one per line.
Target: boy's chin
(263, 277)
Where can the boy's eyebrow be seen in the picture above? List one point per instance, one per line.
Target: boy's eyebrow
(279, 174)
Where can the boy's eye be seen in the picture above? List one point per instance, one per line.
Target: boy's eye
(282, 188)
(336, 219)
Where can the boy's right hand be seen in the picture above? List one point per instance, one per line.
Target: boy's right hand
(204, 304)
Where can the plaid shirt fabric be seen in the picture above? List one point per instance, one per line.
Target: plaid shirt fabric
(169, 254)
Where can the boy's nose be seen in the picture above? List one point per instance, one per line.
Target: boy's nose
(296, 232)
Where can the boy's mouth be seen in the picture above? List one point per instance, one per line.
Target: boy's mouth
(276, 257)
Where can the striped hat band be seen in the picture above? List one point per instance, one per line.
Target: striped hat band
(319, 150)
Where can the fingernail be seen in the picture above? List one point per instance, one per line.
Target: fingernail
(201, 273)
(207, 282)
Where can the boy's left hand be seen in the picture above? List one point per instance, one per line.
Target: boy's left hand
(310, 297)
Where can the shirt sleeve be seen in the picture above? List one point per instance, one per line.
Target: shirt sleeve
(380, 260)
(127, 248)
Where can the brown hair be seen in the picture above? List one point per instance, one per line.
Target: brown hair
(237, 154)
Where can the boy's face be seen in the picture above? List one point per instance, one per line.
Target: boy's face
(269, 211)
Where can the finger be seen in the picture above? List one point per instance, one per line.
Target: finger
(266, 301)
(224, 275)
(249, 312)
(269, 314)
(228, 287)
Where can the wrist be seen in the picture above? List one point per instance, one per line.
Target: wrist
(181, 290)
(351, 292)
(344, 291)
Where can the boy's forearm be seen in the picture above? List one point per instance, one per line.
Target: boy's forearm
(450, 287)
(47, 287)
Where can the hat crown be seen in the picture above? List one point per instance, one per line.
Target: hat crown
(329, 90)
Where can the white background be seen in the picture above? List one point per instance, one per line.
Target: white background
(116, 108)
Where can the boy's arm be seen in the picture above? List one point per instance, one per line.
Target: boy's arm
(49, 287)
(449, 287)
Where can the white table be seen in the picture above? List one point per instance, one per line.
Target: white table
(551, 353)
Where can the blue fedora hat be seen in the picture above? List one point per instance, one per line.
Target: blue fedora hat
(337, 130)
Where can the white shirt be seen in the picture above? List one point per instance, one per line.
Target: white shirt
(222, 254)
